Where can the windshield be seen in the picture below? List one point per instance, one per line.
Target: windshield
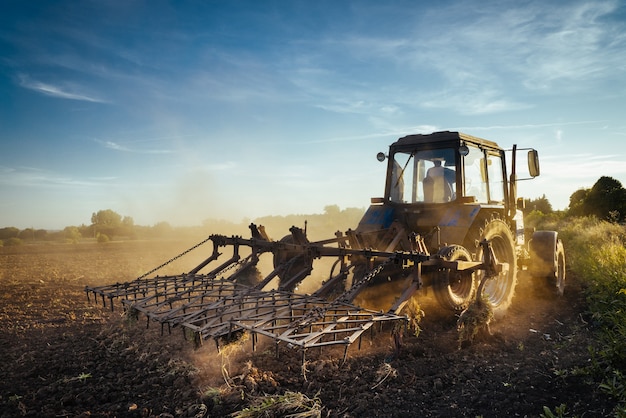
(424, 176)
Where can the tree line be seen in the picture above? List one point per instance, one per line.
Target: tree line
(605, 200)
(107, 224)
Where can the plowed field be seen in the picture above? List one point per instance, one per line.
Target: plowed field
(61, 355)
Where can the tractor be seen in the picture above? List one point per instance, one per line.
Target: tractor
(453, 190)
(449, 220)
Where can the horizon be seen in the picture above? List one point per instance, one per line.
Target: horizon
(180, 113)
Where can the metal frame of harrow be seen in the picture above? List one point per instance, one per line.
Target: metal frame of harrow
(215, 305)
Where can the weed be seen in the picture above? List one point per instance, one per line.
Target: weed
(83, 376)
(14, 398)
(615, 386)
(477, 316)
(80, 378)
(384, 371)
(415, 314)
(290, 404)
(212, 393)
(559, 412)
(562, 373)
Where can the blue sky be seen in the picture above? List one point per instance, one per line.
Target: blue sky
(184, 111)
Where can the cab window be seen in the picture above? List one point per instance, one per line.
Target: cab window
(496, 178)
(423, 176)
(475, 176)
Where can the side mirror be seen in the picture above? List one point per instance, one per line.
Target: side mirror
(533, 163)
(381, 156)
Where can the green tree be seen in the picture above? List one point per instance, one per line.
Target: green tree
(332, 210)
(128, 227)
(72, 233)
(577, 202)
(86, 230)
(106, 222)
(128, 222)
(162, 229)
(9, 232)
(605, 200)
(13, 241)
(541, 204)
(41, 234)
(27, 234)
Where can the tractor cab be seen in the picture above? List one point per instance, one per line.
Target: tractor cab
(442, 186)
(445, 167)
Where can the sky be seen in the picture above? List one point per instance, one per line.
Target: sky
(182, 111)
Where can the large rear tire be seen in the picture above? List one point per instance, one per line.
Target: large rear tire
(499, 291)
(454, 290)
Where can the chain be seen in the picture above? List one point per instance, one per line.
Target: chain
(173, 259)
(319, 312)
(347, 295)
(238, 263)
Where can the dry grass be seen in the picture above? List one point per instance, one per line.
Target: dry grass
(289, 404)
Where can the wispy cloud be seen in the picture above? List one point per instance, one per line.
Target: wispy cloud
(469, 102)
(116, 146)
(584, 166)
(28, 177)
(388, 132)
(539, 44)
(71, 92)
(468, 57)
(526, 126)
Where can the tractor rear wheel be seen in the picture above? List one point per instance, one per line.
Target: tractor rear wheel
(454, 290)
(499, 290)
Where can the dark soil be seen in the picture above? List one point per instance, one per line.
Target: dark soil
(63, 356)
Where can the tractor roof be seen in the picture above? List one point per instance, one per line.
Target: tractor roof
(438, 138)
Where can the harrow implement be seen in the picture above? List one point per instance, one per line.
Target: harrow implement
(222, 304)
(219, 305)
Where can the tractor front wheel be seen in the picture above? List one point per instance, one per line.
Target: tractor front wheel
(499, 290)
(454, 289)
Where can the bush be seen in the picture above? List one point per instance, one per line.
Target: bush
(12, 242)
(539, 220)
(72, 234)
(597, 253)
(102, 238)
